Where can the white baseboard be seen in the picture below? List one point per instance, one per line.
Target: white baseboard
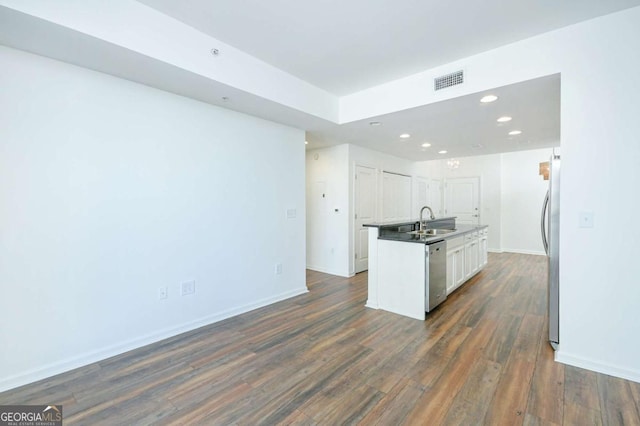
(329, 271)
(494, 250)
(87, 358)
(599, 367)
(371, 305)
(518, 251)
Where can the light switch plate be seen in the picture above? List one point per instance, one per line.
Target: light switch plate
(586, 220)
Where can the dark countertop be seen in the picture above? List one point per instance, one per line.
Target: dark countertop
(382, 224)
(413, 238)
(399, 231)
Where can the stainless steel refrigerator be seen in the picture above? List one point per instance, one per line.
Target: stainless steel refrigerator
(550, 228)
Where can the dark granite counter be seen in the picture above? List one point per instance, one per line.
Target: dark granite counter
(424, 239)
(400, 231)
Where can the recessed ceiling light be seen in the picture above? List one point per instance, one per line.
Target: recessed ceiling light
(405, 136)
(426, 145)
(442, 152)
(514, 132)
(504, 119)
(374, 123)
(488, 98)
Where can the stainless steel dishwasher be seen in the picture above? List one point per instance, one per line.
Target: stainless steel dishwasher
(435, 274)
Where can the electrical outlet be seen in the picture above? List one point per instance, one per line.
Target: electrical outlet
(187, 288)
(585, 220)
(278, 268)
(163, 293)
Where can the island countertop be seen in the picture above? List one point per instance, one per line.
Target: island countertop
(400, 231)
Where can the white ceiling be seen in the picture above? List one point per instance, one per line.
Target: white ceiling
(321, 51)
(347, 46)
(344, 46)
(461, 124)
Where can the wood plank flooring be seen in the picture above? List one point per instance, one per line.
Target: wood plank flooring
(323, 358)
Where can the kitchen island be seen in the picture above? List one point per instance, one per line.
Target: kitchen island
(398, 279)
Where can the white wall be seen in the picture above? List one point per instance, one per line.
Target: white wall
(599, 291)
(523, 191)
(328, 230)
(110, 190)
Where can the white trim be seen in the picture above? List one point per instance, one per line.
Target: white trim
(611, 370)
(329, 271)
(535, 252)
(87, 358)
(490, 250)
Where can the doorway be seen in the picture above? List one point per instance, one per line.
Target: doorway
(396, 197)
(365, 212)
(462, 200)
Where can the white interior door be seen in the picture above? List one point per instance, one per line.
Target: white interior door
(388, 197)
(462, 200)
(317, 224)
(396, 197)
(422, 191)
(421, 195)
(435, 197)
(403, 200)
(365, 212)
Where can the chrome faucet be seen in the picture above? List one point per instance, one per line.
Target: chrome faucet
(430, 213)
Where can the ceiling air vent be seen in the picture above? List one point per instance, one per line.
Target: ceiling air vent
(448, 80)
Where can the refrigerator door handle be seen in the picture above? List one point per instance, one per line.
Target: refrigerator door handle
(545, 242)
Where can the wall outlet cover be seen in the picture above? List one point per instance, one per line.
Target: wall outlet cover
(163, 293)
(188, 287)
(585, 220)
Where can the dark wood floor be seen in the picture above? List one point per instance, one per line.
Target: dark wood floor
(322, 358)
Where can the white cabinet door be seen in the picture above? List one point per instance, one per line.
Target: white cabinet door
(459, 275)
(471, 257)
(451, 274)
(483, 251)
(455, 263)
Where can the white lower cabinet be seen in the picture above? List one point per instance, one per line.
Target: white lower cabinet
(466, 256)
(455, 263)
(483, 250)
(471, 257)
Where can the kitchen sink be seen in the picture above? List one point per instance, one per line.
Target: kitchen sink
(431, 232)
